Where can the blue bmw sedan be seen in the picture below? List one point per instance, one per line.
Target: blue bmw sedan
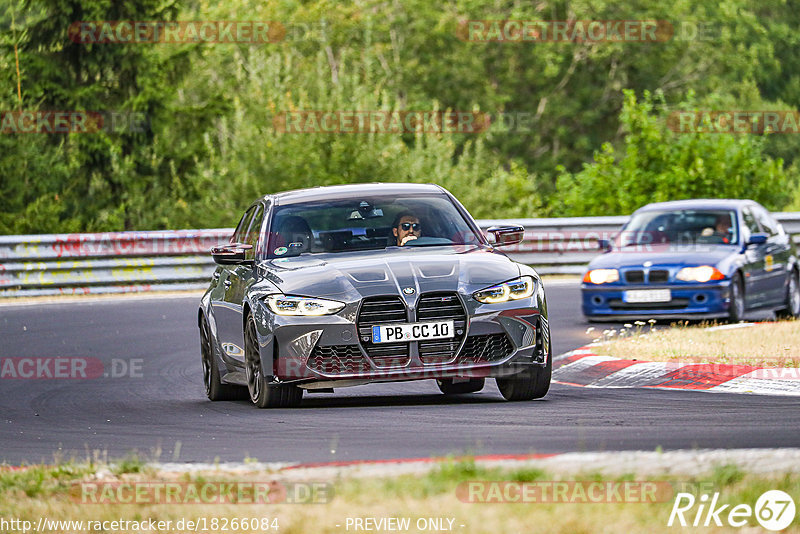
(694, 259)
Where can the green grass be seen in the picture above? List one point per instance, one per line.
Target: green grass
(46, 491)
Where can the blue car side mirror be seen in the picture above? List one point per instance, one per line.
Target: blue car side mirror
(758, 239)
(604, 245)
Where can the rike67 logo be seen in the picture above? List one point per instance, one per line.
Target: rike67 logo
(774, 510)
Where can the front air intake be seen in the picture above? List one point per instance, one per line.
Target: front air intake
(382, 310)
(441, 307)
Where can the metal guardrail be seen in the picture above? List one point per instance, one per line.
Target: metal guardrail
(114, 262)
(122, 262)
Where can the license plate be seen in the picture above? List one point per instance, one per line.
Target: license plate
(647, 295)
(396, 333)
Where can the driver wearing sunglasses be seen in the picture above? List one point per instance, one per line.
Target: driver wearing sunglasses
(406, 227)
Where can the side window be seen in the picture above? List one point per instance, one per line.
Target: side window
(750, 221)
(241, 228)
(255, 231)
(769, 224)
(263, 239)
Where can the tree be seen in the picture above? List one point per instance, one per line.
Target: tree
(658, 164)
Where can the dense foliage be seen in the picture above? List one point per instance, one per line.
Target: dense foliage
(596, 140)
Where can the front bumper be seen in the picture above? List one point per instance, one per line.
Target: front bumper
(499, 341)
(695, 301)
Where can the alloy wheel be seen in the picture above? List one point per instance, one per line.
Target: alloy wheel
(736, 297)
(253, 363)
(794, 295)
(206, 353)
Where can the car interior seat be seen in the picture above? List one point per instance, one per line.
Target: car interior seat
(295, 234)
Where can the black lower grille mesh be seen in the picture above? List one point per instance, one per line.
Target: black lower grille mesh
(338, 360)
(486, 348)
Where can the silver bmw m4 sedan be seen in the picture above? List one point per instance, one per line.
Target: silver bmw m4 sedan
(339, 286)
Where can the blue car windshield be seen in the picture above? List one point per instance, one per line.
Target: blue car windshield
(369, 223)
(681, 227)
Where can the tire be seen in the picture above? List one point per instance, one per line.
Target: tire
(532, 383)
(792, 302)
(736, 306)
(215, 389)
(262, 393)
(447, 386)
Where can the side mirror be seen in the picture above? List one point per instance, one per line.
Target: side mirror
(758, 239)
(507, 235)
(230, 254)
(604, 244)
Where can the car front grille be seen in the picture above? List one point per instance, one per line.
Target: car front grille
(634, 277)
(382, 310)
(637, 276)
(441, 307)
(658, 276)
(485, 348)
(338, 360)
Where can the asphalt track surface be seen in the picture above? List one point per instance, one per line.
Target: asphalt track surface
(162, 413)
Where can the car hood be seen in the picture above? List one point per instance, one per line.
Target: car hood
(354, 275)
(665, 255)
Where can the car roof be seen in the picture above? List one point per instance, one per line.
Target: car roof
(700, 203)
(352, 190)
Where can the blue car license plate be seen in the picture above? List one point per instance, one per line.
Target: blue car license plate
(647, 295)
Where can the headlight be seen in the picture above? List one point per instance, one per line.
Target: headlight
(601, 276)
(514, 290)
(287, 305)
(704, 273)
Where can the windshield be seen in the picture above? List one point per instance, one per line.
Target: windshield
(377, 222)
(683, 227)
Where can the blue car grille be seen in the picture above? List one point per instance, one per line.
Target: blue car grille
(658, 276)
(635, 276)
(655, 276)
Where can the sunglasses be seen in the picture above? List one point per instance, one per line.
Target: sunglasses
(408, 226)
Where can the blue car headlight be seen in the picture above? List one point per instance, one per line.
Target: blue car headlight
(519, 288)
(290, 305)
(703, 273)
(601, 276)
